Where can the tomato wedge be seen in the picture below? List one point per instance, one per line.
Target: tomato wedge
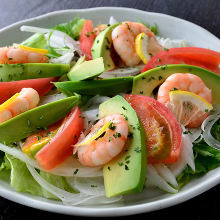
(162, 130)
(42, 86)
(86, 39)
(201, 57)
(60, 146)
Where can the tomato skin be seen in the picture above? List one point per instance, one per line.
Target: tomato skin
(60, 146)
(86, 39)
(201, 57)
(42, 86)
(140, 103)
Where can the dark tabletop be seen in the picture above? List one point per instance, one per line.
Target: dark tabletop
(205, 13)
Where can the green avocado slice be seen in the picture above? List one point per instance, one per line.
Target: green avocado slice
(146, 82)
(31, 121)
(86, 70)
(126, 173)
(105, 87)
(15, 72)
(102, 47)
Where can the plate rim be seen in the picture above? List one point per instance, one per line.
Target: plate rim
(24, 199)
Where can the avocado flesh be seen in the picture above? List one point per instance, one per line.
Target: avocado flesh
(146, 82)
(15, 72)
(126, 173)
(23, 125)
(87, 70)
(102, 47)
(105, 87)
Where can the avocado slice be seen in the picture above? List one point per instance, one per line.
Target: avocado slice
(126, 173)
(102, 47)
(106, 87)
(146, 82)
(15, 72)
(31, 121)
(87, 70)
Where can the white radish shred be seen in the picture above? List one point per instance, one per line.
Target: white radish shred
(65, 59)
(72, 167)
(186, 156)
(55, 38)
(51, 98)
(67, 168)
(83, 197)
(165, 172)
(169, 43)
(15, 152)
(209, 139)
(89, 186)
(154, 179)
(66, 197)
(122, 72)
(112, 20)
(194, 134)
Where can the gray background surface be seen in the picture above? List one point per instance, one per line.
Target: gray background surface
(205, 13)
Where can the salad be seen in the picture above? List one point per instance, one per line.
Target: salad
(89, 114)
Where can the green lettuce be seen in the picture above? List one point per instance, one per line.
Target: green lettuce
(72, 28)
(21, 180)
(206, 158)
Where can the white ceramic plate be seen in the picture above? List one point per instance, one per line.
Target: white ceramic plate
(169, 26)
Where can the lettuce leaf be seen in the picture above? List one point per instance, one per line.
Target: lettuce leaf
(22, 181)
(153, 28)
(206, 158)
(72, 28)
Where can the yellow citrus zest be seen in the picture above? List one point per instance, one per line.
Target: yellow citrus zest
(6, 103)
(96, 135)
(32, 49)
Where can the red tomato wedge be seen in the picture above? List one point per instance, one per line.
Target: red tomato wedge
(163, 132)
(60, 146)
(86, 39)
(42, 86)
(204, 58)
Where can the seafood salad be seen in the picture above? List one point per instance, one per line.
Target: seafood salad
(90, 113)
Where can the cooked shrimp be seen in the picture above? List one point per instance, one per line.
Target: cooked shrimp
(123, 37)
(185, 82)
(99, 29)
(14, 55)
(27, 99)
(103, 149)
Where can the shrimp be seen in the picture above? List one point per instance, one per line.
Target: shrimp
(27, 99)
(14, 55)
(123, 37)
(103, 149)
(185, 82)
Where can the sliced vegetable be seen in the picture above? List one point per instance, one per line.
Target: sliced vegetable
(87, 70)
(147, 82)
(201, 57)
(126, 173)
(105, 87)
(162, 130)
(60, 146)
(15, 72)
(86, 39)
(37, 41)
(37, 141)
(42, 86)
(33, 120)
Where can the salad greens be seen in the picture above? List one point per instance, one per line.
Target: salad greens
(72, 28)
(21, 180)
(65, 46)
